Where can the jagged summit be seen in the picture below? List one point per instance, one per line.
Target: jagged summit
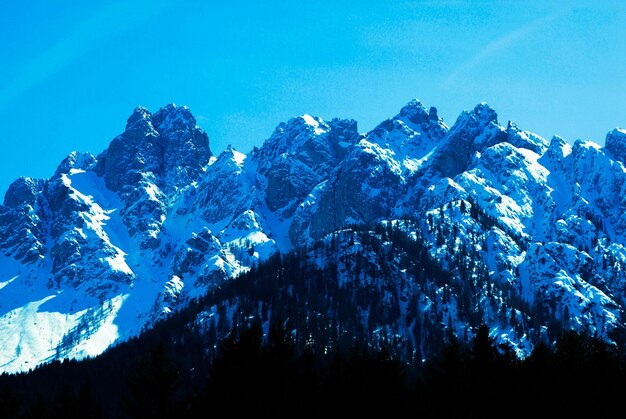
(318, 125)
(167, 147)
(558, 149)
(412, 120)
(140, 114)
(76, 160)
(300, 154)
(165, 115)
(530, 234)
(230, 156)
(293, 135)
(480, 117)
(616, 144)
(485, 112)
(416, 112)
(169, 118)
(172, 118)
(22, 191)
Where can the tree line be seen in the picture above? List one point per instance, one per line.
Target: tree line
(259, 376)
(358, 323)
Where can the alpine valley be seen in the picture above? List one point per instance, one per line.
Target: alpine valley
(397, 237)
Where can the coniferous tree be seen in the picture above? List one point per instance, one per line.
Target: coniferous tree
(152, 386)
(10, 405)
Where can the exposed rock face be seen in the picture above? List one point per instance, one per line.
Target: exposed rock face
(185, 147)
(132, 155)
(472, 132)
(225, 190)
(23, 191)
(374, 176)
(167, 146)
(108, 245)
(299, 155)
(156, 156)
(414, 124)
(616, 144)
(23, 234)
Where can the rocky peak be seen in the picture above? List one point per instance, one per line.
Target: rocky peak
(616, 144)
(480, 117)
(300, 154)
(167, 145)
(432, 114)
(156, 157)
(472, 132)
(23, 191)
(76, 160)
(413, 119)
(558, 148)
(311, 123)
(184, 146)
(416, 112)
(141, 115)
(525, 139)
(231, 159)
(486, 113)
(582, 147)
(343, 132)
(554, 158)
(223, 190)
(291, 136)
(174, 118)
(137, 150)
(22, 234)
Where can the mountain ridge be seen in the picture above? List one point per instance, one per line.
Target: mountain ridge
(110, 244)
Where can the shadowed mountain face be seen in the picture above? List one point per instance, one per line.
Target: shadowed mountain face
(110, 244)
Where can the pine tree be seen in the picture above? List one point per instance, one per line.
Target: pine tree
(484, 352)
(152, 386)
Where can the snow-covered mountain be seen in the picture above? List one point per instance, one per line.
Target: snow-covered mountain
(531, 233)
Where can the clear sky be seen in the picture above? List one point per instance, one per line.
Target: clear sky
(72, 71)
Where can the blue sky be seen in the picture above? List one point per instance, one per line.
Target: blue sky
(72, 71)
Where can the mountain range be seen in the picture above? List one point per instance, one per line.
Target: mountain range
(442, 228)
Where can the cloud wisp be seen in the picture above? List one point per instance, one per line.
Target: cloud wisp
(106, 22)
(499, 44)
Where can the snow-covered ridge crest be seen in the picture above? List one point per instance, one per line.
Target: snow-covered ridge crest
(111, 243)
